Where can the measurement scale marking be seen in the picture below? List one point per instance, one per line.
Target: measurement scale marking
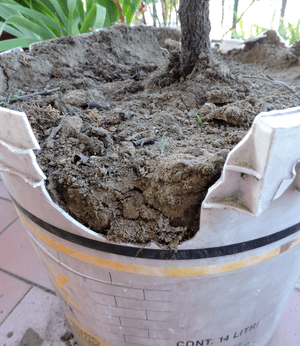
(141, 337)
(142, 300)
(119, 307)
(120, 325)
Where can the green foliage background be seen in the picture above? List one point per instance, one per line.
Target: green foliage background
(37, 20)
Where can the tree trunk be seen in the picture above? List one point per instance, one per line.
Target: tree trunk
(282, 13)
(235, 11)
(223, 12)
(283, 6)
(195, 29)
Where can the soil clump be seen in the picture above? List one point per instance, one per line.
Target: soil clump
(122, 145)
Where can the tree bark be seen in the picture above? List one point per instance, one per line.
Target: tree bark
(282, 13)
(195, 29)
(283, 6)
(235, 11)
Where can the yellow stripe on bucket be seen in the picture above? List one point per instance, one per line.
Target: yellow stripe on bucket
(83, 334)
(161, 271)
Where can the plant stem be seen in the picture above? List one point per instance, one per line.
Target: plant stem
(271, 80)
(234, 25)
(170, 15)
(118, 6)
(176, 12)
(61, 33)
(155, 17)
(44, 92)
(163, 8)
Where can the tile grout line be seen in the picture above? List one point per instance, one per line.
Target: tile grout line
(9, 225)
(48, 290)
(6, 199)
(15, 306)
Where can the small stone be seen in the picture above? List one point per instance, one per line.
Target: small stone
(50, 144)
(207, 108)
(67, 336)
(224, 95)
(113, 156)
(172, 45)
(231, 114)
(202, 56)
(295, 48)
(95, 116)
(181, 106)
(71, 126)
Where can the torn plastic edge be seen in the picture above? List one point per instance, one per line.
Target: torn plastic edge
(14, 115)
(244, 169)
(229, 204)
(16, 151)
(84, 231)
(16, 49)
(33, 183)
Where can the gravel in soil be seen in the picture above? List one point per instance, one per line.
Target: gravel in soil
(129, 147)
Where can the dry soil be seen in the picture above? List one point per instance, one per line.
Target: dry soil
(129, 147)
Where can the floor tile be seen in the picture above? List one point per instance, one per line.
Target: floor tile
(7, 214)
(12, 291)
(19, 257)
(288, 330)
(39, 311)
(3, 191)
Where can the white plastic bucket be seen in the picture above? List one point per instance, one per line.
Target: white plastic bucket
(229, 285)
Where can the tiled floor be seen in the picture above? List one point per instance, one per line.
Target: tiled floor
(29, 306)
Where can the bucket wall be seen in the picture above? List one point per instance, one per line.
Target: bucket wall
(227, 286)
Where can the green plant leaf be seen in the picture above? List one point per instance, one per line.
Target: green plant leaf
(89, 4)
(80, 9)
(89, 20)
(44, 32)
(100, 18)
(64, 21)
(273, 17)
(76, 22)
(125, 6)
(41, 7)
(40, 18)
(16, 30)
(6, 11)
(2, 26)
(241, 24)
(129, 8)
(71, 8)
(95, 18)
(111, 12)
(16, 42)
(20, 32)
(63, 4)
(297, 31)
